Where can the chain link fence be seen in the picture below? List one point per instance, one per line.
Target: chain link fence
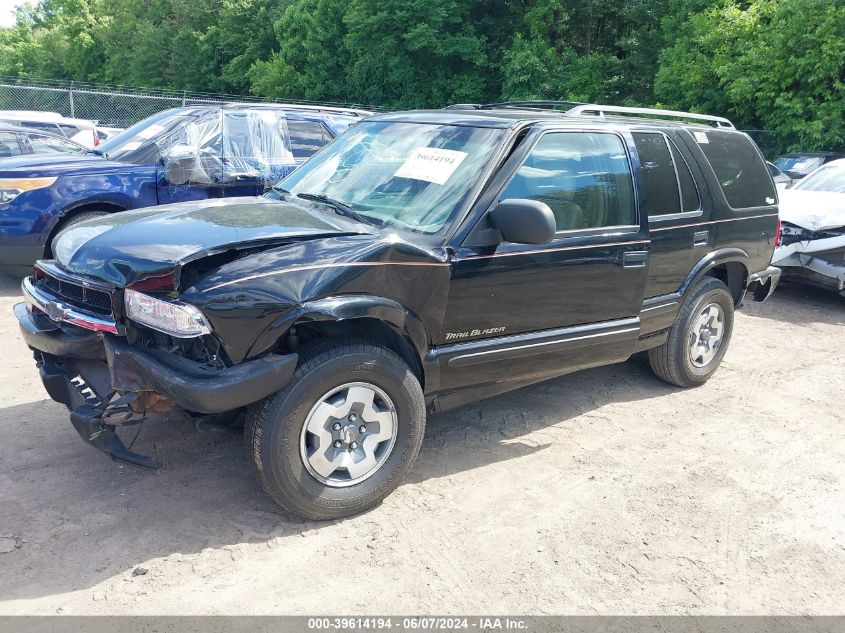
(113, 106)
(119, 106)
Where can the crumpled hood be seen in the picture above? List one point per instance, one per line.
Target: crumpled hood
(813, 210)
(124, 247)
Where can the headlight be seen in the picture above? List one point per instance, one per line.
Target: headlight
(177, 319)
(11, 188)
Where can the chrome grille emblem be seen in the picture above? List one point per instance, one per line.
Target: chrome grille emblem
(56, 311)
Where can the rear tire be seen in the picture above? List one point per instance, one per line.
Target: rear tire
(71, 222)
(342, 435)
(699, 338)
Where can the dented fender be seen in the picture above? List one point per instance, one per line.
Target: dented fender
(346, 307)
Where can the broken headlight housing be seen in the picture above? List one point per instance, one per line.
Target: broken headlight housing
(175, 318)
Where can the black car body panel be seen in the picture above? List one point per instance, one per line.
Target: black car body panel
(471, 314)
(122, 249)
(304, 280)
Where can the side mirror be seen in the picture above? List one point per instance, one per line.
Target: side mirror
(524, 221)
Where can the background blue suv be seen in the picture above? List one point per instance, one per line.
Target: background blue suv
(189, 153)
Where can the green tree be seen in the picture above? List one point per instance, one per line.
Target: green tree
(587, 50)
(244, 33)
(56, 39)
(311, 60)
(771, 64)
(414, 53)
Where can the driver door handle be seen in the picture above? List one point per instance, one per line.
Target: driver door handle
(634, 259)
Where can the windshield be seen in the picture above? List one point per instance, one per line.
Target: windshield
(409, 175)
(138, 143)
(829, 178)
(799, 164)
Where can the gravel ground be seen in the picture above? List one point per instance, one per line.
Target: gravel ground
(601, 492)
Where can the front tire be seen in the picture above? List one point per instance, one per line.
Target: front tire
(342, 435)
(699, 338)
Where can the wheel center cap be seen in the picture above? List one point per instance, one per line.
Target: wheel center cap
(349, 433)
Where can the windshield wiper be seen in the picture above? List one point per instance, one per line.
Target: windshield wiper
(340, 207)
(97, 152)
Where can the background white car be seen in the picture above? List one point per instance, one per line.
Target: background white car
(81, 131)
(105, 132)
(812, 213)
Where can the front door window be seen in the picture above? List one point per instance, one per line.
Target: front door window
(583, 177)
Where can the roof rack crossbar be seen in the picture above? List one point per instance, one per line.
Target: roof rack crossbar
(540, 104)
(594, 110)
(534, 104)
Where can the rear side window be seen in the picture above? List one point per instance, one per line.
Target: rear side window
(739, 169)
(306, 137)
(43, 126)
(52, 145)
(9, 145)
(662, 195)
(669, 186)
(69, 130)
(690, 201)
(584, 177)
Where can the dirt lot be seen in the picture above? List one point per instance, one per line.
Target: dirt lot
(601, 492)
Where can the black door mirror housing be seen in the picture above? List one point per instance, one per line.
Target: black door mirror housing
(523, 221)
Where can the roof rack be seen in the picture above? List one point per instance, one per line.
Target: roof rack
(538, 104)
(594, 110)
(335, 109)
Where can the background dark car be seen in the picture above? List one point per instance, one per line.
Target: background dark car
(782, 179)
(796, 165)
(17, 141)
(189, 153)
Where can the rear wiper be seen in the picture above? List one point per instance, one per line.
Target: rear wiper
(340, 207)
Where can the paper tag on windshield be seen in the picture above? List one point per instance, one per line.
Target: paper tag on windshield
(431, 164)
(130, 146)
(701, 137)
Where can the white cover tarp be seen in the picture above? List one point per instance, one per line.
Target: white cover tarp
(230, 145)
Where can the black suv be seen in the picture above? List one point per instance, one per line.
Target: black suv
(421, 261)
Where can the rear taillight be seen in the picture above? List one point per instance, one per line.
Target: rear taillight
(777, 235)
(96, 139)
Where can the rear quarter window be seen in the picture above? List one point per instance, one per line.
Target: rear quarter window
(69, 130)
(739, 168)
(43, 126)
(662, 192)
(306, 137)
(10, 145)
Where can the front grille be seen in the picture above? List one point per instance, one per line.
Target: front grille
(98, 302)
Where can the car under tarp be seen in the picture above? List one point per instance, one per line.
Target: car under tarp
(236, 144)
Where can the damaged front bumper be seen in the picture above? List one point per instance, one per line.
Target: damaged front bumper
(100, 367)
(817, 261)
(761, 285)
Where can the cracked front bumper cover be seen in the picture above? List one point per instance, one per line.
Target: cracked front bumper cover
(761, 285)
(190, 385)
(88, 422)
